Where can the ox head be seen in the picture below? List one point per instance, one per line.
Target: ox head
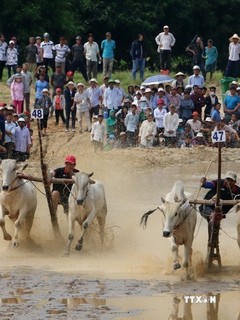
(82, 181)
(9, 173)
(173, 214)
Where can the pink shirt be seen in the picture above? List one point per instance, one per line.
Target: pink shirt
(17, 90)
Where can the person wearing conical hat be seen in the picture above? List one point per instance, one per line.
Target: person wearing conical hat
(232, 69)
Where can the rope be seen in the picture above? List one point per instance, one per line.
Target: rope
(228, 234)
(37, 188)
(204, 177)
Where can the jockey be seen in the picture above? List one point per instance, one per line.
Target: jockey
(60, 192)
(229, 191)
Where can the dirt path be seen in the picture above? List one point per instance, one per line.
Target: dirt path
(131, 277)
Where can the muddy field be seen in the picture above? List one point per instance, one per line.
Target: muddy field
(131, 277)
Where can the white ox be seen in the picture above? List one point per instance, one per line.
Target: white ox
(18, 200)
(179, 223)
(86, 201)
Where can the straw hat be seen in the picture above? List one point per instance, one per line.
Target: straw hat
(180, 74)
(235, 36)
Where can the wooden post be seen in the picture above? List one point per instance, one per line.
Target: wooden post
(46, 184)
(213, 252)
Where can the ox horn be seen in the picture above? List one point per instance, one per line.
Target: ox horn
(90, 174)
(163, 200)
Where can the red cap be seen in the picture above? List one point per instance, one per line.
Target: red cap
(58, 90)
(69, 73)
(160, 101)
(70, 159)
(195, 113)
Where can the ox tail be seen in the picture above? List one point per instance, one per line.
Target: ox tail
(144, 219)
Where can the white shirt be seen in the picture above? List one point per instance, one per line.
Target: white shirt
(98, 131)
(12, 56)
(10, 127)
(47, 48)
(131, 122)
(234, 51)
(165, 41)
(3, 51)
(94, 95)
(22, 139)
(147, 128)
(170, 123)
(159, 115)
(61, 52)
(111, 98)
(195, 126)
(81, 100)
(196, 80)
(91, 51)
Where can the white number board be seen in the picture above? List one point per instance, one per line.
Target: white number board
(218, 136)
(37, 114)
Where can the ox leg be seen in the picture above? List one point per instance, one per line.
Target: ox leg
(70, 233)
(187, 262)
(238, 225)
(6, 235)
(176, 263)
(18, 225)
(89, 219)
(29, 223)
(101, 222)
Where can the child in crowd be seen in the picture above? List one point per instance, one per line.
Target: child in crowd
(17, 93)
(39, 86)
(98, 133)
(59, 106)
(81, 101)
(44, 103)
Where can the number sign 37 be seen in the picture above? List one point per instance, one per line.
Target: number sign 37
(218, 136)
(37, 114)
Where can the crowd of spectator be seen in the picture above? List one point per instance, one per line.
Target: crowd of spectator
(181, 114)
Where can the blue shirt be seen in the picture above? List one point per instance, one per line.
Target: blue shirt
(193, 80)
(39, 86)
(108, 47)
(231, 102)
(216, 115)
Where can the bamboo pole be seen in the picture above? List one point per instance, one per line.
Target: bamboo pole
(45, 181)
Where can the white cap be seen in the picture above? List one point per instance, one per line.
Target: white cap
(148, 90)
(45, 90)
(188, 86)
(80, 84)
(196, 68)
(11, 42)
(199, 135)
(180, 120)
(142, 88)
(238, 88)
(166, 27)
(143, 99)
(117, 81)
(232, 175)
(161, 90)
(234, 82)
(46, 35)
(208, 119)
(21, 119)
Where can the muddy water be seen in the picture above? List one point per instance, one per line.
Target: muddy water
(131, 277)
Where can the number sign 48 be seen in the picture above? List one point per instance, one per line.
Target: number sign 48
(218, 136)
(37, 114)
